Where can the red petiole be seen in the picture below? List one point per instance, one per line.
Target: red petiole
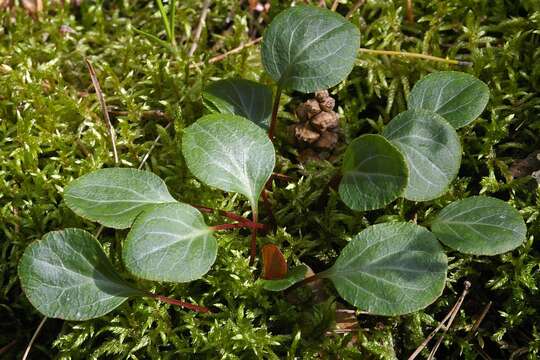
(197, 308)
(306, 281)
(253, 252)
(251, 225)
(230, 215)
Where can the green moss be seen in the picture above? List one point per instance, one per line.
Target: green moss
(51, 132)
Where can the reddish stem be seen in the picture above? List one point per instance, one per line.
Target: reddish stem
(227, 214)
(281, 177)
(252, 225)
(253, 252)
(197, 308)
(306, 281)
(268, 205)
(275, 109)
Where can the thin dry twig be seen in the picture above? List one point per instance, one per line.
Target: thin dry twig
(27, 351)
(415, 55)
(198, 30)
(82, 147)
(334, 5)
(355, 7)
(104, 111)
(441, 325)
(455, 311)
(112, 134)
(154, 144)
(481, 318)
(410, 13)
(374, 52)
(401, 53)
(6, 348)
(482, 353)
(146, 115)
(230, 52)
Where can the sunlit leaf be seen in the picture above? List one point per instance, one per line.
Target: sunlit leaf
(170, 242)
(230, 153)
(307, 48)
(115, 196)
(390, 269)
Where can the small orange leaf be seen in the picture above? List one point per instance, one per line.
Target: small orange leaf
(274, 263)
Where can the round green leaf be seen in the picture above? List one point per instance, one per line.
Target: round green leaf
(390, 269)
(458, 97)
(294, 276)
(170, 242)
(230, 153)
(114, 197)
(374, 173)
(240, 97)
(307, 48)
(432, 149)
(480, 225)
(67, 275)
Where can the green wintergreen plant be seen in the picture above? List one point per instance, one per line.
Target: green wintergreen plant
(458, 97)
(480, 225)
(390, 269)
(374, 173)
(432, 149)
(426, 139)
(229, 153)
(245, 98)
(232, 154)
(67, 275)
(170, 242)
(387, 269)
(307, 48)
(114, 197)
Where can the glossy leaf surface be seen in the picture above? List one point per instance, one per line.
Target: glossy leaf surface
(229, 153)
(307, 48)
(115, 196)
(170, 242)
